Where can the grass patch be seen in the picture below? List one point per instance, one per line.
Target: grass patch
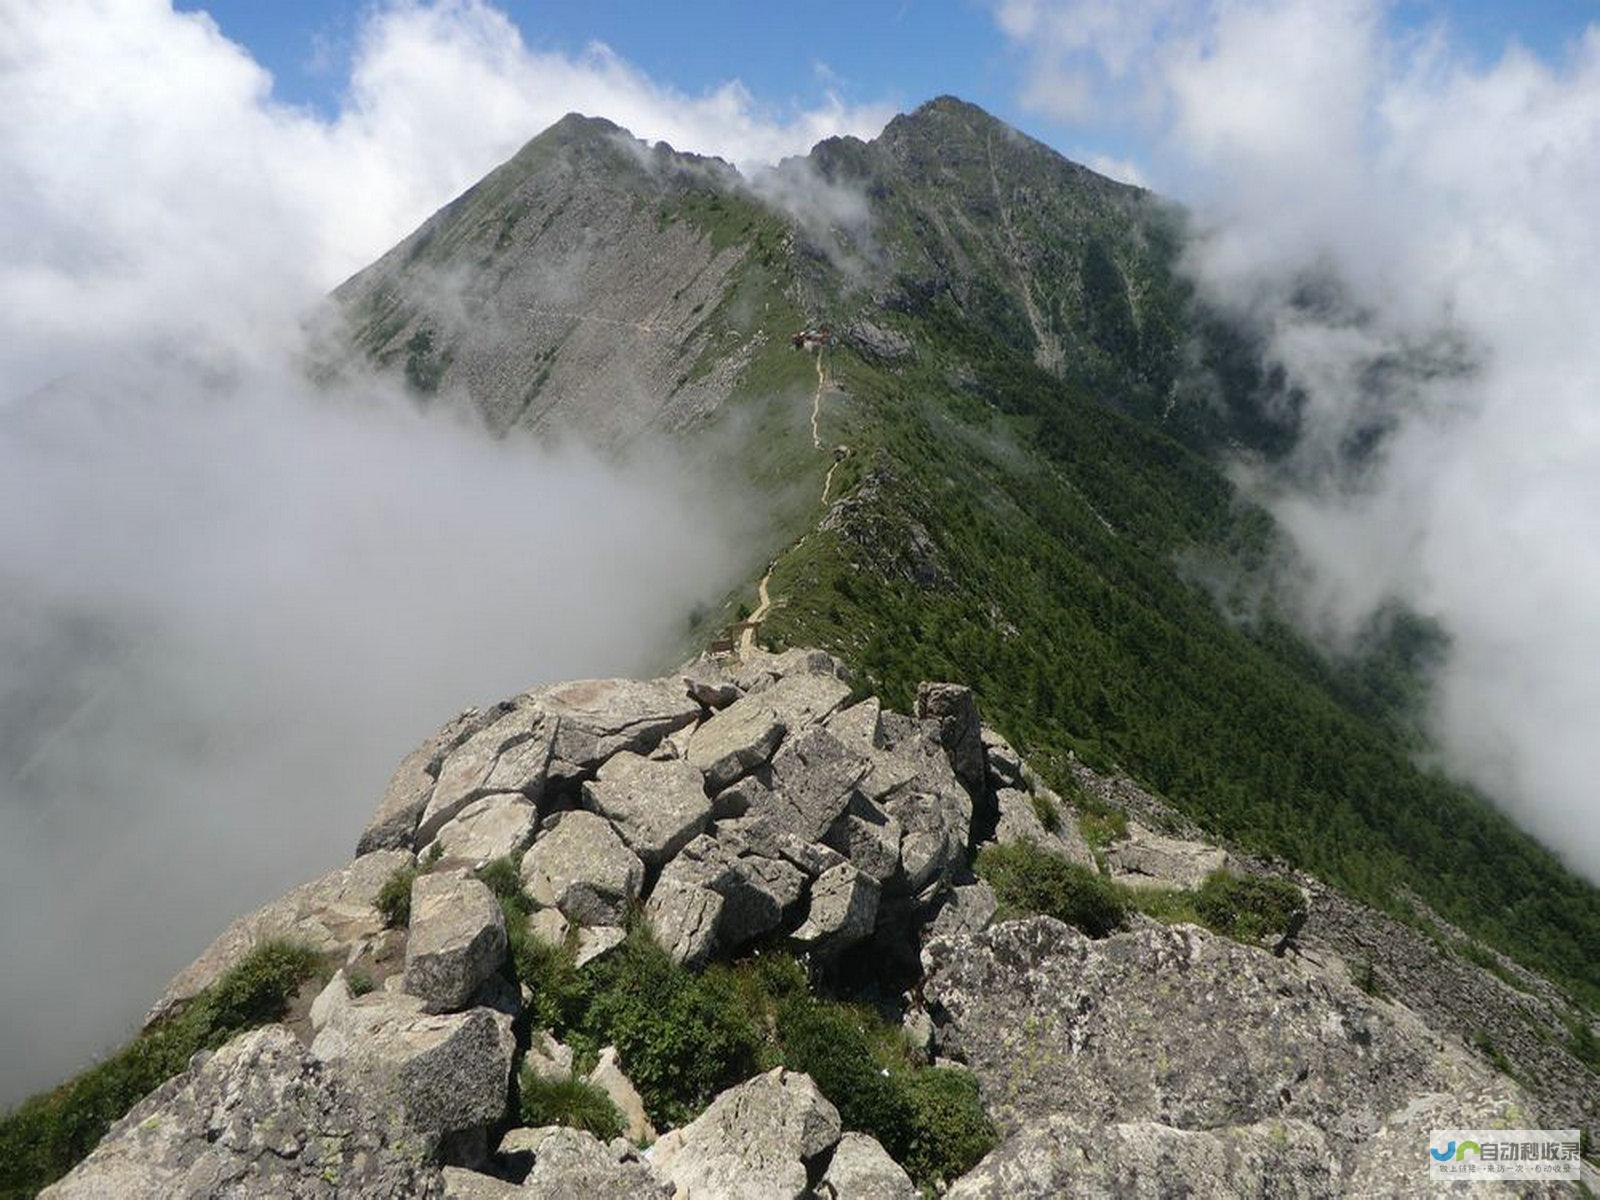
(47, 1135)
(568, 1100)
(394, 897)
(1045, 809)
(1029, 881)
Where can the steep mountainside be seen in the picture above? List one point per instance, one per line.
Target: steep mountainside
(1006, 432)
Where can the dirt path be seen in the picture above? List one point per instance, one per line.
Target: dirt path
(752, 624)
(747, 640)
(816, 400)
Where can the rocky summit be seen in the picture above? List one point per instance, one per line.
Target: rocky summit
(750, 816)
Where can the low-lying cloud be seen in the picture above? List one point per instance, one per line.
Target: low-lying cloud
(230, 600)
(1449, 206)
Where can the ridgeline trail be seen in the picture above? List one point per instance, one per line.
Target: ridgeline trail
(752, 623)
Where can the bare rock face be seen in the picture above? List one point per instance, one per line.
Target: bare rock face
(1146, 859)
(1165, 1031)
(736, 741)
(447, 1072)
(960, 731)
(596, 718)
(260, 1117)
(609, 1078)
(509, 755)
(582, 867)
(655, 806)
(757, 890)
(1003, 762)
(1068, 1156)
(753, 1142)
(458, 940)
(1018, 821)
(394, 825)
(496, 826)
(814, 776)
(844, 908)
(868, 837)
(569, 1164)
(331, 915)
(683, 917)
(861, 1169)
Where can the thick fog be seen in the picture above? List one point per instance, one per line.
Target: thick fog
(230, 601)
(1441, 210)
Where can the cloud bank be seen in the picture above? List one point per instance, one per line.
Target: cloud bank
(1447, 206)
(230, 602)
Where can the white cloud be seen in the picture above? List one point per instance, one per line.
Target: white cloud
(1455, 204)
(227, 604)
(1124, 170)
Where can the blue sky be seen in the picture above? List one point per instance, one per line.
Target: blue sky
(899, 52)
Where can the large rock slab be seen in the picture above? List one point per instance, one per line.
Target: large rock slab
(1018, 821)
(758, 891)
(496, 826)
(596, 718)
(447, 1072)
(458, 940)
(736, 741)
(934, 828)
(1175, 1025)
(1146, 859)
(569, 1164)
(1067, 1155)
(861, 1169)
(955, 710)
(656, 806)
(608, 1076)
(511, 754)
(683, 917)
(394, 825)
(843, 909)
(331, 915)
(868, 837)
(753, 1142)
(814, 776)
(260, 1117)
(581, 866)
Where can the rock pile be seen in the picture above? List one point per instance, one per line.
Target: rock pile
(742, 803)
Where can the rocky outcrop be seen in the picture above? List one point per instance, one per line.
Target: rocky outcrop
(333, 915)
(655, 806)
(564, 1164)
(1065, 1155)
(1146, 859)
(447, 1072)
(861, 1169)
(755, 1141)
(582, 866)
(458, 939)
(732, 807)
(260, 1117)
(1157, 1033)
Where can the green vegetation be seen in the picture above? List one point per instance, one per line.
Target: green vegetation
(684, 1036)
(566, 1100)
(394, 898)
(1247, 908)
(1075, 533)
(47, 1135)
(1045, 809)
(1028, 880)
